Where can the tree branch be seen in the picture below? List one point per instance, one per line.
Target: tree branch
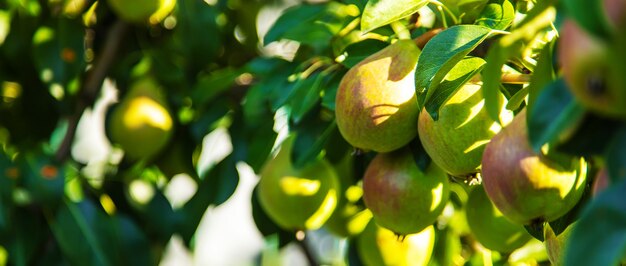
(301, 240)
(93, 82)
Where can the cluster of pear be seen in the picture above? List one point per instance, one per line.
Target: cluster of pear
(377, 111)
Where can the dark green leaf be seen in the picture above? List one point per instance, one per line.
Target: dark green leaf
(378, 13)
(215, 188)
(497, 15)
(603, 223)
(298, 15)
(535, 230)
(44, 178)
(305, 94)
(554, 113)
(442, 53)
(75, 229)
(358, 51)
(616, 156)
(422, 160)
(210, 86)
(460, 74)
(59, 51)
(543, 73)
(310, 141)
(592, 137)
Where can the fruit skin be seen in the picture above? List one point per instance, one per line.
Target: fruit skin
(600, 182)
(456, 141)
(379, 246)
(142, 124)
(401, 197)
(490, 227)
(376, 106)
(349, 217)
(526, 186)
(298, 199)
(142, 11)
(555, 245)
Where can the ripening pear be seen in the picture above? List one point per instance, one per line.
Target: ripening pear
(297, 198)
(141, 124)
(490, 227)
(379, 246)
(376, 107)
(527, 186)
(142, 11)
(457, 139)
(403, 198)
(595, 68)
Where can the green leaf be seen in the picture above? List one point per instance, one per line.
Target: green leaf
(358, 51)
(305, 95)
(196, 37)
(460, 74)
(616, 156)
(294, 16)
(497, 15)
(217, 185)
(132, 244)
(603, 223)
(378, 13)
(592, 137)
(44, 178)
(210, 86)
(59, 51)
(540, 18)
(554, 113)
(75, 229)
(310, 140)
(590, 15)
(543, 73)
(442, 53)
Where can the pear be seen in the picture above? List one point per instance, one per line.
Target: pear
(141, 124)
(379, 246)
(376, 107)
(456, 141)
(403, 198)
(298, 198)
(142, 11)
(526, 186)
(490, 227)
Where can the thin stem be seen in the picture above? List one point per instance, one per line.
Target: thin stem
(512, 78)
(93, 82)
(306, 248)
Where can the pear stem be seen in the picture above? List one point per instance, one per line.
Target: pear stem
(512, 78)
(93, 82)
(401, 31)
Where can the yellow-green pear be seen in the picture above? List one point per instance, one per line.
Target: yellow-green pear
(142, 11)
(297, 198)
(141, 124)
(376, 106)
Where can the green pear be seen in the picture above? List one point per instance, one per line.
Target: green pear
(376, 106)
(142, 11)
(456, 141)
(379, 246)
(141, 124)
(401, 197)
(349, 217)
(490, 227)
(298, 198)
(527, 186)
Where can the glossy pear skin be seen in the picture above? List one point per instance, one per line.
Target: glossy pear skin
(490, 227)
(142, 124)
(376, 106)
(298, 199)
(526, 186)
(456, 141)
(379, 246)
(401, 197)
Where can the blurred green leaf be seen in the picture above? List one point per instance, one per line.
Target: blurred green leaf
(616, 156)
(358, 51)
(554, 113)
(210, 86)
(196, 35)
(59, 51)
(592, 137)
(75, 227)
(460, 74)
(538, 19)
(378, 13)
(590, 15)
(44, 178)
(603, 223)
(310, 140)
(497, 15)
(216, 186)
(442, 53)
(543, 73)
(330, 90)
